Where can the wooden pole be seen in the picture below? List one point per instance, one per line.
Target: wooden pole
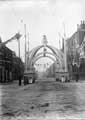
(18, 47)
(25, 43)
(65, 51)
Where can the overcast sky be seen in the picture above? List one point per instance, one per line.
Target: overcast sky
(41, 17)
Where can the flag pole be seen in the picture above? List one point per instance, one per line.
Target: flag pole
(19, 48)
(25, 44)
(28, 45)
(59, 40)
(65, 54)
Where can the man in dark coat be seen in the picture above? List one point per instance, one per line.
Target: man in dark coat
(77, 73)
(20, 76)
(20, 80)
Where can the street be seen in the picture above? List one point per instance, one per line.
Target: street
(45, 99)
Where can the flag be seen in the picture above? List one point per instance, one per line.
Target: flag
(16, 36)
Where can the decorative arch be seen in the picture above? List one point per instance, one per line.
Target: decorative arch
(58, 55)
(40, 55)
(37, 58)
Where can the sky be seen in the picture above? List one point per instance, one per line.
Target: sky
(49, 17)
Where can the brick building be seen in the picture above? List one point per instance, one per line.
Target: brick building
(5, 64)
(10, 65)
(17, 67)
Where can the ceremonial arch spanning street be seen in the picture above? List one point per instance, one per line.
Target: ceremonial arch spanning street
(45, 50)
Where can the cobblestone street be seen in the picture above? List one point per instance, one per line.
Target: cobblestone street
(44, 99)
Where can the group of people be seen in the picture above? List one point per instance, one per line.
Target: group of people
(26, 80)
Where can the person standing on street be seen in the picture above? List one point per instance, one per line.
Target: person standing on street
(20, 80)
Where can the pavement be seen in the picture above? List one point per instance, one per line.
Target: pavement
(44, 100)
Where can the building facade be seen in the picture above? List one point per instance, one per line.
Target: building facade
(76, 49)
(5, 64)
(10, 65)
(75, 52)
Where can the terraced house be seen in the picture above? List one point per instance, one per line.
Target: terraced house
(10, 65)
